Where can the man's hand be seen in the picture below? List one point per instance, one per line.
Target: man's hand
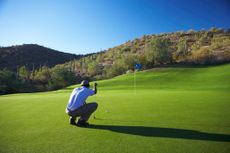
(95, 87)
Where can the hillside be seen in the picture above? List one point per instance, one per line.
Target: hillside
(191, 48)
(204, 47)
(32, 56)
(173, 110)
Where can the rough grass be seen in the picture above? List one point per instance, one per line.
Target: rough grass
(172, 110)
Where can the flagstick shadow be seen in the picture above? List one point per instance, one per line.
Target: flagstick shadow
(164, 132)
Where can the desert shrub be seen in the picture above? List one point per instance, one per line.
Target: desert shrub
(116, 69)
(129, 71)
(160, 48)
(99, 77)
(182, 50)
(126, 49)
(218, 42)
(203, 56)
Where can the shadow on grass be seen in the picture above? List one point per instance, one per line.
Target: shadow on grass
(164, 132)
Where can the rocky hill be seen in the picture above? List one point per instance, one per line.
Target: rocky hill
(204, 47)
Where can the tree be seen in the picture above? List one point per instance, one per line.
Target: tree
(23, 73)
(143, 61)
(116, 69)
(93, 68)
(149, 56)
(9, 83)
(204, 39)
(129, 61)
(43, 75)
(61, 77)
(182, 50)
(84, 66)
(161, 50)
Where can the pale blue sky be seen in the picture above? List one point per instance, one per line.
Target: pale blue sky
(84, 26)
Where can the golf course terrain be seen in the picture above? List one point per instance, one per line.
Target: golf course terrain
(171, 110)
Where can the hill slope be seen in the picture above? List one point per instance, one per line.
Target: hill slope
(32, 56)
(212, 77)
(182, 48)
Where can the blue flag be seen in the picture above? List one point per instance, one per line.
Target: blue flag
(137, 66)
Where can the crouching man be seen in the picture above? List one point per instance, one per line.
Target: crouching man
(77, 106)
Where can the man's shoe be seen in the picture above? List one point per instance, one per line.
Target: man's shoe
(72, 121)
(82, 123)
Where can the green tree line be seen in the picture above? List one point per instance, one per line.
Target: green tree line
(42, 79)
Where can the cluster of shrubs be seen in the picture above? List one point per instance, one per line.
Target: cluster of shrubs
(42, 79)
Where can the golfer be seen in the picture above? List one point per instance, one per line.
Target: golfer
(77, 106)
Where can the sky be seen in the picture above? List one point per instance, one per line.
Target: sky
(86, 26)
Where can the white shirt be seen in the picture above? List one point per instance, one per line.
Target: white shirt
(78, 97)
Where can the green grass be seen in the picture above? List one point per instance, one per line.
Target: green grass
(181, 110)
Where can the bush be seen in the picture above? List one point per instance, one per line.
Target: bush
(182, 50)
(43, 75)
(61, 77)
(116, 69)
(161, 50)
(126, 49)
(9, 82)
(203, 56)
(93, 68)
(219, 42)
(129, 71)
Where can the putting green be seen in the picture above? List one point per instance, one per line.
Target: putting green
(172, 110)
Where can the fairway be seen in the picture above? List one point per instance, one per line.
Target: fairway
(180, 110)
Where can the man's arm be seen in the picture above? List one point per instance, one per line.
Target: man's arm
(95, 88)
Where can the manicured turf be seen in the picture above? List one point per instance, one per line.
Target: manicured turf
(181, 110)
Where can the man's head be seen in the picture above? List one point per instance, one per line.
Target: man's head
(85, 83)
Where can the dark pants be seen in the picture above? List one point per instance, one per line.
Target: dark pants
(84, 111)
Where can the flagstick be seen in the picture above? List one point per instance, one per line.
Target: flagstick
(135, 90)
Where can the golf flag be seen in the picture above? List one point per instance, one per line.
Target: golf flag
(137, 66)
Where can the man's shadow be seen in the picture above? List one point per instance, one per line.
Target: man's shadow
(164, 132)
